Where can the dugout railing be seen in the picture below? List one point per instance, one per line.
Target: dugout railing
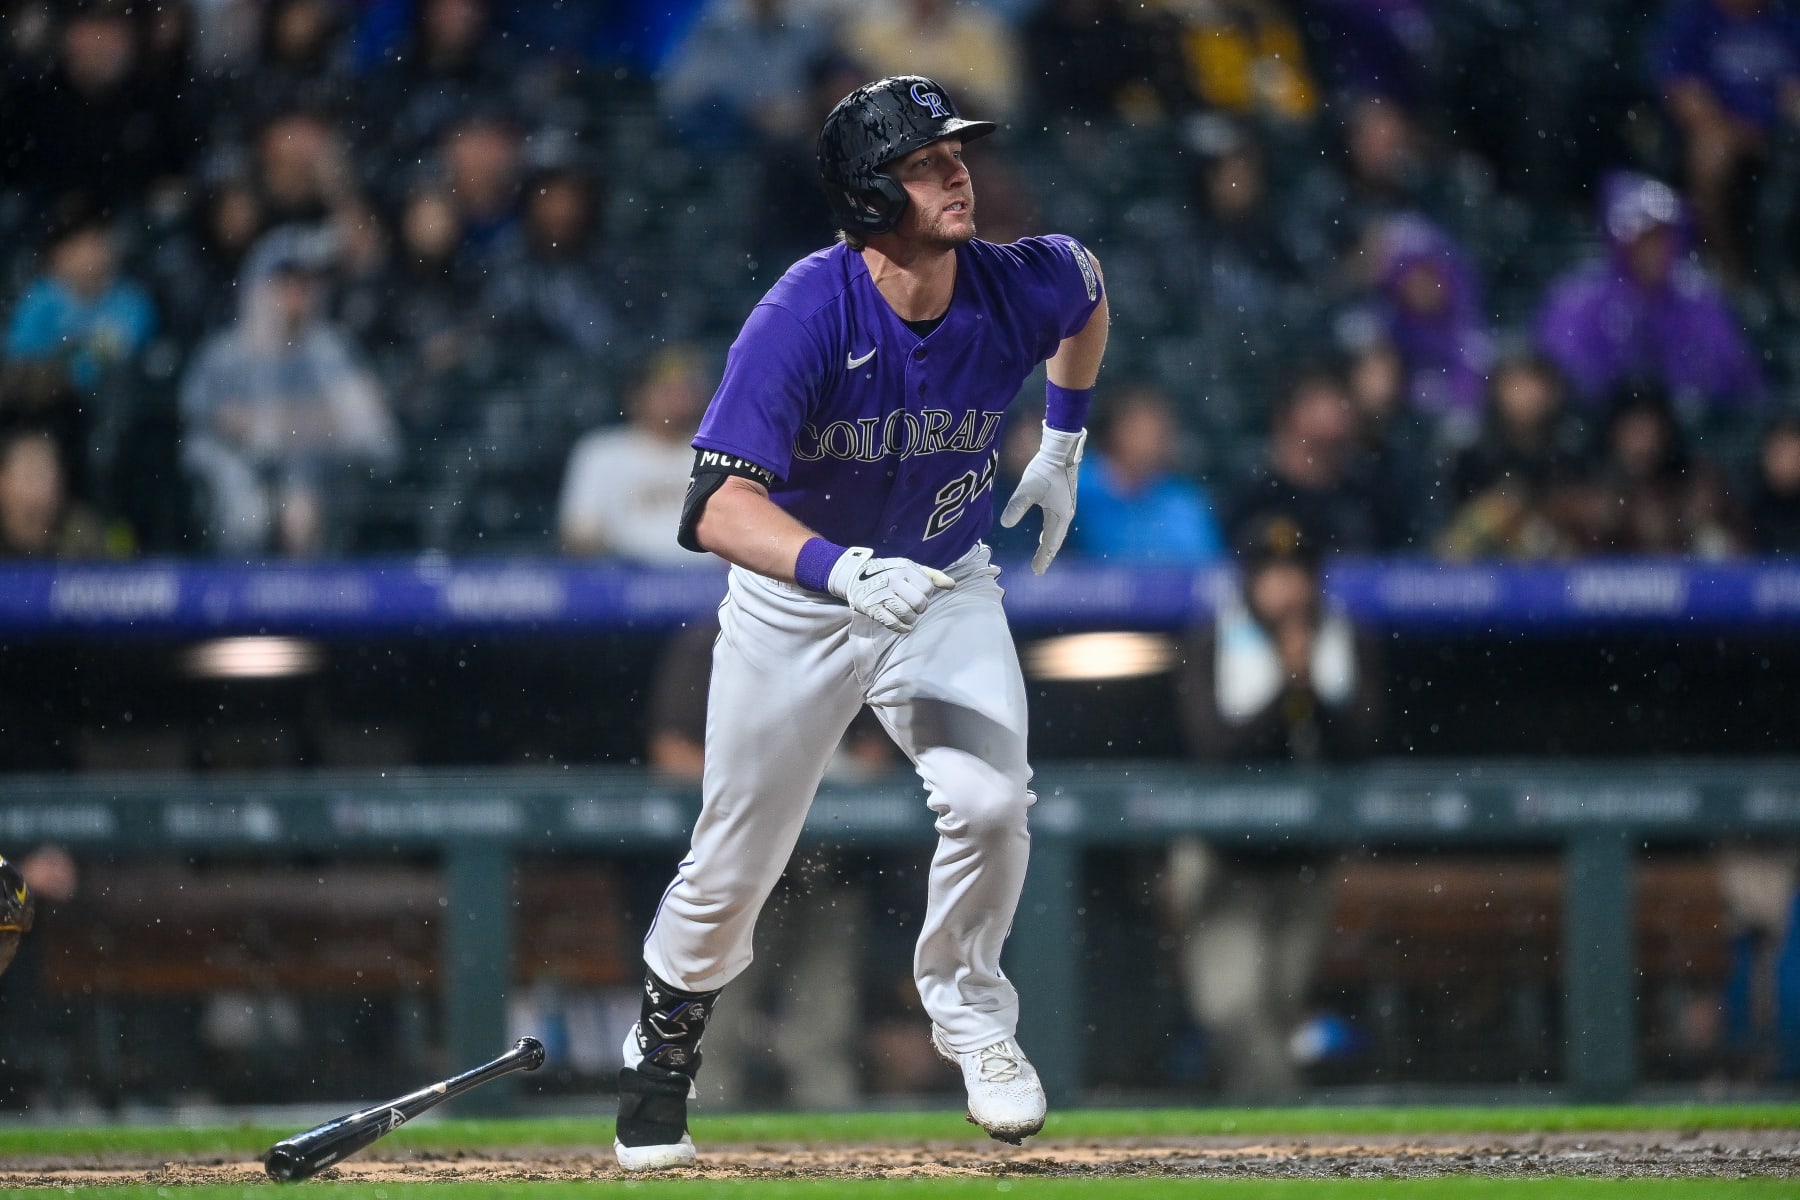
(1599, 818)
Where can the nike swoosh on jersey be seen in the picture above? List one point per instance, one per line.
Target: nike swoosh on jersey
(853, 362)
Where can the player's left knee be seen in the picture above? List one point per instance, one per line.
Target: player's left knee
(987, 800)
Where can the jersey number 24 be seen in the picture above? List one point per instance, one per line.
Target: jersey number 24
(954, 496)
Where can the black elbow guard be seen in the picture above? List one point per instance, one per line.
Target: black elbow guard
(711, 469)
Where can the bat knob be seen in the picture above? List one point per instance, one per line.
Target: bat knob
(533, 1050)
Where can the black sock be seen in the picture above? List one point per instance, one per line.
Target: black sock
(670, 1025)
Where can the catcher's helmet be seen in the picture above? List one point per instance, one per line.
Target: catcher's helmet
(874, 125)
(16, 907)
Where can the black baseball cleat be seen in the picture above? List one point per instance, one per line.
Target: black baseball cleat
(652, 1133)
(662, 1056)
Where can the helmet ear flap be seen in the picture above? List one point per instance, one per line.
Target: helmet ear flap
(892, 200)
(874, 209)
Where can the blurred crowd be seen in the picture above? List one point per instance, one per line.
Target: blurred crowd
(1492, 278)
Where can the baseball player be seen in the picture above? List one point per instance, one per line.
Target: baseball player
(845, 468)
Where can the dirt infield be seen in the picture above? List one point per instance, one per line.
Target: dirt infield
(1712, 1154)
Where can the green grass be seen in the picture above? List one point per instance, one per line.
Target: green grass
(944, 1125)
(998, 1189)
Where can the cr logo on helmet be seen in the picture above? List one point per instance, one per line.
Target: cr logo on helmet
(930, 100)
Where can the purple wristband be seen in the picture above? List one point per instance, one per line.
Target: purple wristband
(812, 569)
(1066, 408)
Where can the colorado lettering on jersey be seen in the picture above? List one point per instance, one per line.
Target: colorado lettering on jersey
(900, 434)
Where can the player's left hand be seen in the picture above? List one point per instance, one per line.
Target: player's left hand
(1049, 483)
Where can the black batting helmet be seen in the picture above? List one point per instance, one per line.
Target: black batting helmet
(16, 909)
(874, 125)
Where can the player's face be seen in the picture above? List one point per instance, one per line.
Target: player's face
(941, 214)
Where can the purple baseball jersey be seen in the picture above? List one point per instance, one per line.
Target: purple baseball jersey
(878, 437)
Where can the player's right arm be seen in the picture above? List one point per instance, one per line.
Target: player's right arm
(741, 524)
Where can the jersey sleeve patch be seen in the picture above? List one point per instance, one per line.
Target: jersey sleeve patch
(1087, 269)
(1066, 298)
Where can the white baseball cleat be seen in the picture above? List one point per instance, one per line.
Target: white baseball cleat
(1005, 1096)
(655, 1158)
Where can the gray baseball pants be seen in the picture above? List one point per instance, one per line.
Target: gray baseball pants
(790, 670)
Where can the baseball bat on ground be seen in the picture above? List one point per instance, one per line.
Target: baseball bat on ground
(306, 1154)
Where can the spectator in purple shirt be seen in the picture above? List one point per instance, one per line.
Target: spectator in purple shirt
(1728, 72)
(1648, 311)
(1427, 301)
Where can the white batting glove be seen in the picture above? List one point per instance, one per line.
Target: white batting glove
(1049, 483)
(894, 591)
